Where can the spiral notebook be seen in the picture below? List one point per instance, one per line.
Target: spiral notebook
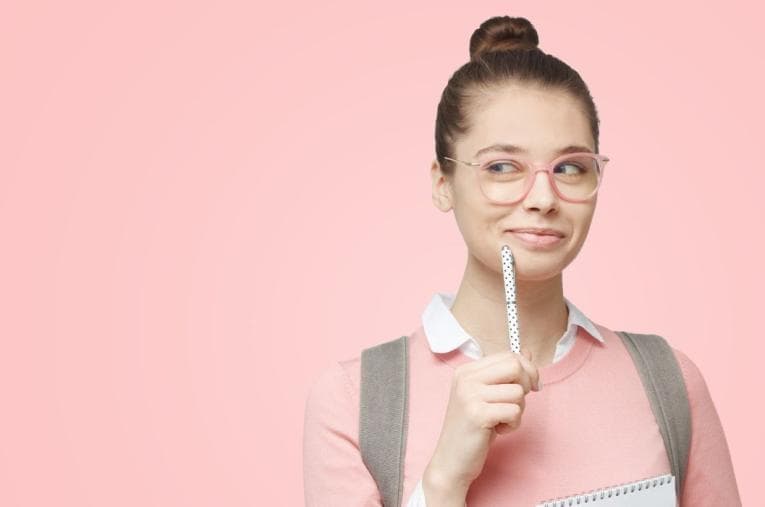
(656, 491)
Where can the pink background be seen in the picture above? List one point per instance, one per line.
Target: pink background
(205, 204)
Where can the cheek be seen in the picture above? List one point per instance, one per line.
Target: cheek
(584, 219)
(471, 220)
(479, 226)
(470, 210)
(581, 221)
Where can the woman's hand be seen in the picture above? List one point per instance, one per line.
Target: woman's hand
(487, 397)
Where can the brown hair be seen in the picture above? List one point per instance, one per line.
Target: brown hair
(502, 50)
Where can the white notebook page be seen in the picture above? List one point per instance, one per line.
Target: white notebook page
(656, 491)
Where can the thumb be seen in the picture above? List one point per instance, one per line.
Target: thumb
(528, 355)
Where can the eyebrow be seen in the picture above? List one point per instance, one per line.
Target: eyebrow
(509, 148)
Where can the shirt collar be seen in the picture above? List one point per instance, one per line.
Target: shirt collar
(445, 334)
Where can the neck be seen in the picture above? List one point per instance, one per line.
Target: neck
(480, 308)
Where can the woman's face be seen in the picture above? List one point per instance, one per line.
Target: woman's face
(540, 123)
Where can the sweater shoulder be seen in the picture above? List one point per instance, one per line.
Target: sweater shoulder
(695, 384)
(343, 377)
(332, 387)
(692, 376)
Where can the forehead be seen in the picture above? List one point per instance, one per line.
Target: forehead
(536, 120)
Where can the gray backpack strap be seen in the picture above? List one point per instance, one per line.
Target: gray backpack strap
(665, 388)
(383, 415)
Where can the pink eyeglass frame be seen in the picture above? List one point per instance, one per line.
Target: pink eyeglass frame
(548, 167)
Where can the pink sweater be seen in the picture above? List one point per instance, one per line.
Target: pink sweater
(591, 426)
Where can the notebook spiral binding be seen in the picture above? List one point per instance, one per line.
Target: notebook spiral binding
(604, 493)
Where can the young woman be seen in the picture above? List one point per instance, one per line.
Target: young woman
(517, 161)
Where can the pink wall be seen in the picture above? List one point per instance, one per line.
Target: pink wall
(202, 206)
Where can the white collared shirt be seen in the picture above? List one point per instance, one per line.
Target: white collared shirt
(445, 334)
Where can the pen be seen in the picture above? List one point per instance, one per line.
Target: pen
(508, 273)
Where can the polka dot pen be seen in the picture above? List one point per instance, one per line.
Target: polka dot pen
(508, 273)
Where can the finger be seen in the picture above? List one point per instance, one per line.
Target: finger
(498, 357)
(509, 371)
(521, 402)
(497, 413)
(525, 359)
(486, 361)
(501, 393)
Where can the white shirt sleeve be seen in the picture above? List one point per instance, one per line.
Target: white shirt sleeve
(417, 499)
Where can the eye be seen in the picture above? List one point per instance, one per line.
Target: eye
(503, 167)
(571, 168)
(577, 166)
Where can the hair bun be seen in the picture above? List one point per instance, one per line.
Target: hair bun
(503, 33)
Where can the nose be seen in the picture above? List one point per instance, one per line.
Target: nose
(541, 196)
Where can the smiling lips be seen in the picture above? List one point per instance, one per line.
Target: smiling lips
(537, 238)
(538, 231)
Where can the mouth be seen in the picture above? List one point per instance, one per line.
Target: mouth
(537, 239)
(537, 231)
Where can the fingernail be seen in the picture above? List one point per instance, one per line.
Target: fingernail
(539, 384)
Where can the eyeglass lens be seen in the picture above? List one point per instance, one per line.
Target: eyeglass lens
(576, 177)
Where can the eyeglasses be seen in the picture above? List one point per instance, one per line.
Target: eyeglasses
(575, 177)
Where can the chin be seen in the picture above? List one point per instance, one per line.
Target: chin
(538, 268)
(538, 275)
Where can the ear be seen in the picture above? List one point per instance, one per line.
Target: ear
(442, 187)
